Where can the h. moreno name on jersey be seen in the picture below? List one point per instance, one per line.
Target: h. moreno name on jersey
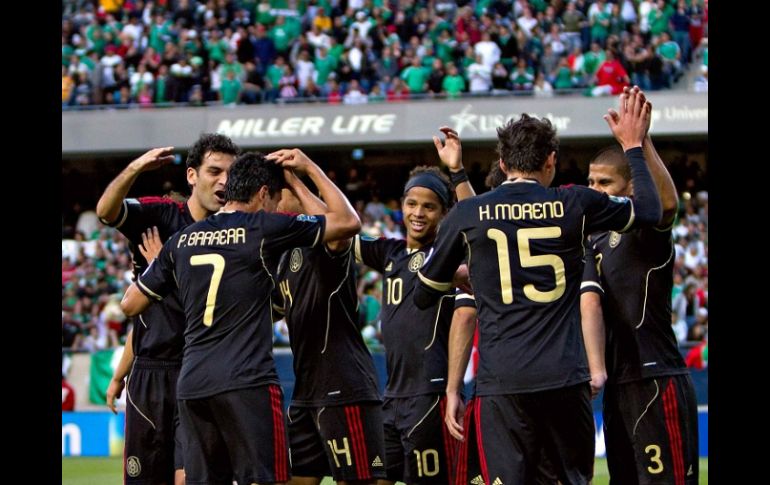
(527, 210)
(235, 235)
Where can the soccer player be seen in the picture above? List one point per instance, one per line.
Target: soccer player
(153, 353)
(335, 416)
(230, 401)
(524, 245)
(419, 449)
(650, 408)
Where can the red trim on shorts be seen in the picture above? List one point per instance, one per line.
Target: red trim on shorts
(671, 412)
(480, 442)
(280, 467)
(358, 442)
(462, 460)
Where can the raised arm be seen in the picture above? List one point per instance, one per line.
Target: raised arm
(451, 155)
(669, 198)
(342, 221)
(108, 207)
(630, 128)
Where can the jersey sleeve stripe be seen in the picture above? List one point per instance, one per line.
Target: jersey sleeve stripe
(630, 219)
(591, 286)
(436, 285)
(465, 295)
(357, 248)
(147, 291)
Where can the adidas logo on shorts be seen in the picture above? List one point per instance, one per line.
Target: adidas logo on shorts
(497, 481)
(477, 480)
(377, 461)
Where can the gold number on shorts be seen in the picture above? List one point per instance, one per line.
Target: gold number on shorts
(284, 285)
(394, 290)
(655, 458)
(425, 467)
(527, 260)
(336, 450)
(218, 262)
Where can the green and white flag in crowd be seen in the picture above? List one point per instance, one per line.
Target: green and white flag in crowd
(103, 364)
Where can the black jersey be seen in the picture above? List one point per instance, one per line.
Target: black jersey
(332, 364)
(524, 245)
(637, 277)
(219, 267)
(415, 340)
(158, 330)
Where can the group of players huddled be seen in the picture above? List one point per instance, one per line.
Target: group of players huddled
(568, 288)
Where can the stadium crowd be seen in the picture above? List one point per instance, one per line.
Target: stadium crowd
(96, 265)
(145, 53)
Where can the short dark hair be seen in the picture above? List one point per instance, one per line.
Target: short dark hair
(210, 142)
(524, 144)
(443, 178)
(613, 155)
(249, 173)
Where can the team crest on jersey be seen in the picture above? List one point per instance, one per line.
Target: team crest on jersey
(622, 200)
(295, 262)
(614, 239)
(305, 217)
(416, 262)
(133, 467)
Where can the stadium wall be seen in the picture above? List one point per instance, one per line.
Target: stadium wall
(382, 124)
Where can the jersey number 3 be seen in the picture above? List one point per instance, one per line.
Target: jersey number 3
(523, 236)
(218, 262)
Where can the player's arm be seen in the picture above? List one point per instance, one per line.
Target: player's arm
(152, 285)
(134, 301)
(109, 204)
(669, 199)
(118, 383)
(592, 321)
(313, 206)
(460, 344)
(341, 219)
(451, 155)
(630, 128)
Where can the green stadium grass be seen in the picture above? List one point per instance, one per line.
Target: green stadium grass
(107, 471)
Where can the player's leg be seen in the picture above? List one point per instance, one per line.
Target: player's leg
(149, 435)
(506, 439)
(664, 434)
(306, 447)
(430, 449)
(252, 423)
(394, 449)
(353, 437)
(621, 461)
(565, 427)
(205, 451)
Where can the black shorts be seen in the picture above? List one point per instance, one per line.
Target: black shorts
(526, 437)
(236, 435)
(153, 441)
(468, 466)
(651, 431)
(343, 441)
(418, 446)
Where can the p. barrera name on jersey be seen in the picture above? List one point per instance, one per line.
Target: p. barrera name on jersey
(236, 235)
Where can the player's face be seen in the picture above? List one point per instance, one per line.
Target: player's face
(422, 213)
(607, 179)
(208, 182)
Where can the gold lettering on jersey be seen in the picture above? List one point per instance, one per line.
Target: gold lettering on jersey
(525, 211)
(222, 237)
(286, 291)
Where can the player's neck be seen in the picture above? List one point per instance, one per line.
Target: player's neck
(197, 211)
(514, 176)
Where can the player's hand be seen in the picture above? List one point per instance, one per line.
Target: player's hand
(157, 157)
(451, 151)
(597, 383)
(151, 244)
(630, 123)
(114, 390)
(293, 158)
(455, 413)
(639, 92)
